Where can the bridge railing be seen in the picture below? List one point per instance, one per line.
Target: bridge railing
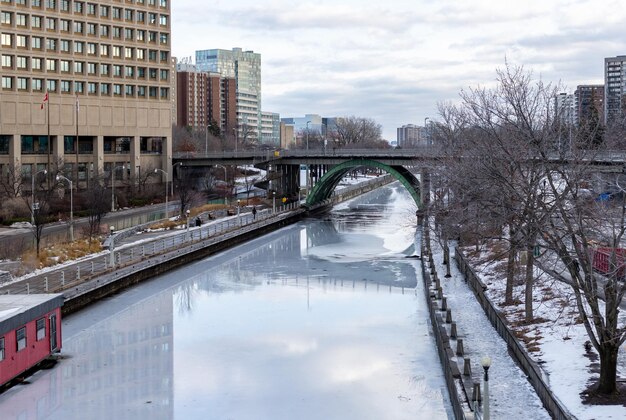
(424, 151)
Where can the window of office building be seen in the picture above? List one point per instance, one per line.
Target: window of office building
(7, 82)
(6, 18)
(7, 40)
(22, 83)
(51, 64)
(36, 42)
(21, 62)
(7, 61)
(51, 85)
(51, 24)
(36, 63)
(51, 44)
(21, 19)
(21, 41)
(37, 85)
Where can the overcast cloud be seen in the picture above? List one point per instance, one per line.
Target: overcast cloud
(393, 61)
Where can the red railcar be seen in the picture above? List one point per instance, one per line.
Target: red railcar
(30, 331)
(602, 261)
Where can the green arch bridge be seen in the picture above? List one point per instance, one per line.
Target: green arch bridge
(324, 187)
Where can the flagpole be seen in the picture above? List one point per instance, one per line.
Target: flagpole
(77, 149)
(49, 146)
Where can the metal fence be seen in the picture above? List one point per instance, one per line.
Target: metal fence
(70, 275)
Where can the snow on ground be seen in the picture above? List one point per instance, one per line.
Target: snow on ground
(511, 395)
(557, 343)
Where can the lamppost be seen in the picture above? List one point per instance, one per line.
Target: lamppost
(225, 181)
(236, 139)
(273, 202)
(187, 214)
(32, 195)
(172, 189)
(486, 363)
(112, 248)
(307, 135)
(238, 210)
(113, 185)
(426, 130)
(60, 177)
(156, 170)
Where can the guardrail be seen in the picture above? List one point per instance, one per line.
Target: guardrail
(63, 278)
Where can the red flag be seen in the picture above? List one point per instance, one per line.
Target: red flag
(45, 99)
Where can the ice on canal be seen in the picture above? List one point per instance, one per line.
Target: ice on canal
(320, 320)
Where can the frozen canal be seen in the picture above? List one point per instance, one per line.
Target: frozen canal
(320, 320)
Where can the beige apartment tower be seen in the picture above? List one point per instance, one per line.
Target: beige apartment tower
(105, 69)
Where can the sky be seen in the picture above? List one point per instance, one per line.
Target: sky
(395, 60)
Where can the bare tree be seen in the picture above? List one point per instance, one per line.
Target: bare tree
(356, 132)
(41, 207)
(185, 189)
(505, 167)
(503, 130)
(11, 182)
(97, 203)
(578, 222)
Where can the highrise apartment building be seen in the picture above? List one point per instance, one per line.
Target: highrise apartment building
(564, 106)
(102, 71)
(245, 68)
(270, 128)
(614, 88)
(205, 97)
(589, 101)
(411, 135)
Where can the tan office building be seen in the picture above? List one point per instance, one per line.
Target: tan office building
(105, 68)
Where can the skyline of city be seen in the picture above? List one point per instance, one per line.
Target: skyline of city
(393, 63)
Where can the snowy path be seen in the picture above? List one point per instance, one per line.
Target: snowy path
(511, 395)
